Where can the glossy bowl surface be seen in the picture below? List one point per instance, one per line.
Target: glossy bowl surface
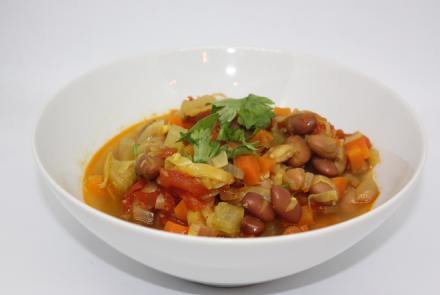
(90, 110)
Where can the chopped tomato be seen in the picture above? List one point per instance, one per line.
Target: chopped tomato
(128, 198)
(190, 121)
(148, 200)
(182, 181)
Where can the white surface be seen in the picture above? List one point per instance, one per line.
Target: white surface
(46, 44)
(126, 91)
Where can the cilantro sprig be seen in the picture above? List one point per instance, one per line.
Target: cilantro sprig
(251, 113)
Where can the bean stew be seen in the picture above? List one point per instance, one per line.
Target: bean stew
(224, 167)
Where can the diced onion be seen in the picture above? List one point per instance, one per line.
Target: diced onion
(160, 202)
(142, 215)
(234, 170)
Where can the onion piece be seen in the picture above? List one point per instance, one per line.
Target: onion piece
(142, 215)
(234, 170)
(367, 190)
(160, 202)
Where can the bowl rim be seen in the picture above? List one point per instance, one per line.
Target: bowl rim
(231, 241)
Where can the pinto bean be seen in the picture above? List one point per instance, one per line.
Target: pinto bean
(301, 153)
(285, 205)
(321, 186)
(148, 167)
(251, 225)
(325, 167)
(295, 178)
(256, 205)
(303, 123)
(323, 145)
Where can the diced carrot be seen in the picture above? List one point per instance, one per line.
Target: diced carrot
(361, 143)
(181, 211)
(355, 157)
(266, 164)
(250, 166)
(281, 111)
(175, 228)
(341, 185)
(93, 186)
(175, 120)
(306, 216)
(264, 137)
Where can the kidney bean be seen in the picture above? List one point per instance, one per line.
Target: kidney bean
(148, 167)
(301, 153)
(251, 225)
(323, 145)
(294, 178)
(303, 123)
(285, 205)
(325, 167)
(256, 205)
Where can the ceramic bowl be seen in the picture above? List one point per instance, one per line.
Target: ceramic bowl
(87, 112)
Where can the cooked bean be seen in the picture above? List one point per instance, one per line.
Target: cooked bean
(148, 167)
(301, 153)
(285, 205)
(251, 225)
(281, 153)
(325, 167)
(303, 123)
(323, 145)
(295, 178)
(256, 205)
(320, 184)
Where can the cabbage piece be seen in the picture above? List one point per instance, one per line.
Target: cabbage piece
(154, 129)
(173, 137)
(210, 176)
(126, 149)
(227, 218)
(201, 104)
(219, 161)
(122, 174)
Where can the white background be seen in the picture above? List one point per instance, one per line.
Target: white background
(45, 44)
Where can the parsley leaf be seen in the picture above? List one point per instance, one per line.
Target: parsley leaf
(252, 111)
(200, 137)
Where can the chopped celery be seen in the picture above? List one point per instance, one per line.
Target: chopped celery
(227, 218)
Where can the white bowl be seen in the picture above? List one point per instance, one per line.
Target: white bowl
(95, 107)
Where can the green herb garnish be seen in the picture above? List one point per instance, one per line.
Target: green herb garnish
(252, 113)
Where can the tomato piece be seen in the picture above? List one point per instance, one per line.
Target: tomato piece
(148, 200)
(193, 203)
(182, 181)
